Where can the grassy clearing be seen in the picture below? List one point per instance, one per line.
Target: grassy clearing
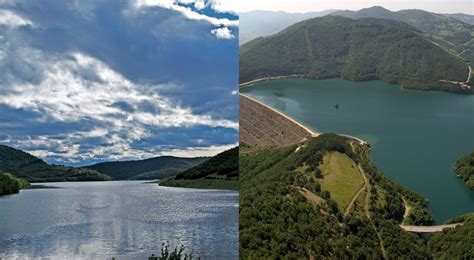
(341, 178)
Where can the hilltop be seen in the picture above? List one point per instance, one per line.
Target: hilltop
(463, 17)
(453, 32)
(358, 50)
(219, 172)
(148, 169)
(324, 198)
(261, 23)
(26, 166)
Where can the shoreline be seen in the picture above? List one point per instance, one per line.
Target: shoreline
(310, 131)
(251, 82)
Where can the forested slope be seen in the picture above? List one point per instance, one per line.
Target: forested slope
(220, 171)
(33, 169)
(454, 32)
(148, 169)
(464, 169)
(10, 185)
(286, 209)
(362, 49)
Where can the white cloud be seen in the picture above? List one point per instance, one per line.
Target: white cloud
(225, 6)
(79, 87)
(82, 86)
(200, 4)
(11, 19)
(69, 150)
(234, 92)
(199, 151)
(223, 33)
(187, 12)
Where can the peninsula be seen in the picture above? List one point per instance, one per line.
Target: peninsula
(323, 192)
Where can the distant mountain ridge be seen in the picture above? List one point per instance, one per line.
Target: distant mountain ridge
(463, 17)
(259, 23)
(148, 169)
(354, 49)
(454, 32)
(26, 166)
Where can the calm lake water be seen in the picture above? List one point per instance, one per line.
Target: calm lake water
(125, 219)
(416, 136)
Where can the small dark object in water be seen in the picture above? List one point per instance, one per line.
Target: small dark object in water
(337, 106)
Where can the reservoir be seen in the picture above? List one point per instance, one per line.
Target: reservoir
(416, 136)
(121, 219)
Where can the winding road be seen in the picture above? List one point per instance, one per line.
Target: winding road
(423, 229)
(428, 229)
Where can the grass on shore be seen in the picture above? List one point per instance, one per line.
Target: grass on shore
(341, 178)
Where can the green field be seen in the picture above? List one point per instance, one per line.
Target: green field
(341, 178)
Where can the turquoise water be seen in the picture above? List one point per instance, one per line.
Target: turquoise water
(416, 136)
(121, 219)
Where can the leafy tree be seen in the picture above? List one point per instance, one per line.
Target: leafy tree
(10, 185)
(464, 169)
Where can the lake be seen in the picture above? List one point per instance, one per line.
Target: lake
(124, 219)
(416, 136)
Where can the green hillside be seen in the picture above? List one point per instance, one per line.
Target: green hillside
(463, 17)
(363, 49)
(454, 243)
(9, 184)
(453, 32)
(148, 169)
(464, 169)
(33, 169)
(219, 172)
(291, 207)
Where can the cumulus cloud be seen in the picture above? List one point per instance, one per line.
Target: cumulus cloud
(186, 11)
(69, 93)
(77, 88)
(223, 33)
(225, 6)
(11, 19)
(66, 148)
(81, 86)
(218, 6)
(199, 151)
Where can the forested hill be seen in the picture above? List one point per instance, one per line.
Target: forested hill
(325, 199)
(453, 32)
(220, 171)
(33, 169)
(148, 169)
(362, 49)
(464, 169)
(463, 17)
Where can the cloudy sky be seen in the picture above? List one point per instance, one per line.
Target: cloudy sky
(84, 81)
(437, 6)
